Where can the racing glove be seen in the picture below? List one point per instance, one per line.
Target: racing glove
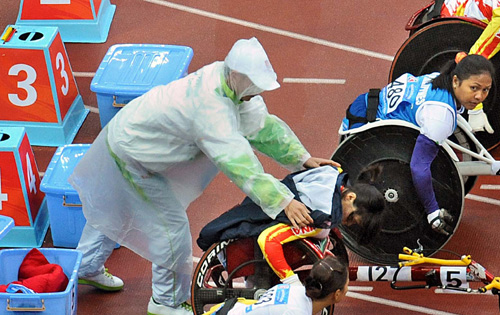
(479, 121)
(440, 221)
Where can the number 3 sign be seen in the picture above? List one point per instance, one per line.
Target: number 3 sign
(37, 87)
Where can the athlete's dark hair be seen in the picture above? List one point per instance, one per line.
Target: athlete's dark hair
(327, 275)
(369, 203)
(470, 65)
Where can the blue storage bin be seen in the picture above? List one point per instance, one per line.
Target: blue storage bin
(6, 223)
(130, 70)
(57, 303)
(64, 206)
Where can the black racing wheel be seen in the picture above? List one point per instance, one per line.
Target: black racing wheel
(405, 220)
(215, 281)
(426, 50)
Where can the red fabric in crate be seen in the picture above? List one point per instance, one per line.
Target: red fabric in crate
(39, 275)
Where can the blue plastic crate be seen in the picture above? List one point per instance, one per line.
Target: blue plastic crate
(130, 70)
(64, 206)
(57, 303)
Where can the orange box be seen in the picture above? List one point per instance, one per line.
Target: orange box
(20, 194)
(37, 87)
(82, 21)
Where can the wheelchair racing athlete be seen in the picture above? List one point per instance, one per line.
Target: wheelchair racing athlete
(325, 190)
(326, 285)
(432, 103)
(361, 204)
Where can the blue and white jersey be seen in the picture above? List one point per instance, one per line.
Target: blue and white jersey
(412, 99)
(404, 97)
(282, 299)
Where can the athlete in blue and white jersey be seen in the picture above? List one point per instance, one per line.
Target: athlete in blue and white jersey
(402, 99)
(430, 102)
(412, 99)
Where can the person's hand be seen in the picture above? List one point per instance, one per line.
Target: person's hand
(440, 221)
(479, 121)
(313, 162)
(298, 214)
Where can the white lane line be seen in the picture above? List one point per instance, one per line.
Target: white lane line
(405, 306)
(360, 288)
(483, 199)
(313, 81)
(490, 187)
(84, 74)
(273, 30)
(441, 291)
(92, 109)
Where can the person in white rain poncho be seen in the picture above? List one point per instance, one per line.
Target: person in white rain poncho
(160, 152)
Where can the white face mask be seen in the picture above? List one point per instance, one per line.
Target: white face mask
(241, 84)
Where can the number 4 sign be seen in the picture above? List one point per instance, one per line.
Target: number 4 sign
(20, 195)
(37, 87)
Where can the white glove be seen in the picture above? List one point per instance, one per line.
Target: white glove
(479, 121)
(440, 221)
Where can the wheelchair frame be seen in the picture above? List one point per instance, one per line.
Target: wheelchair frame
(213, 280)
(416, 22)
(413, 266)
(460, 163)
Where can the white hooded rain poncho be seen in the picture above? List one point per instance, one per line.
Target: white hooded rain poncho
(161, 150)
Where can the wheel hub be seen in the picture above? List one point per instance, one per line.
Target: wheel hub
(391, 195)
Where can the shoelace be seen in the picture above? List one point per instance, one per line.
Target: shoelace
(107, 274)
(186, 306)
